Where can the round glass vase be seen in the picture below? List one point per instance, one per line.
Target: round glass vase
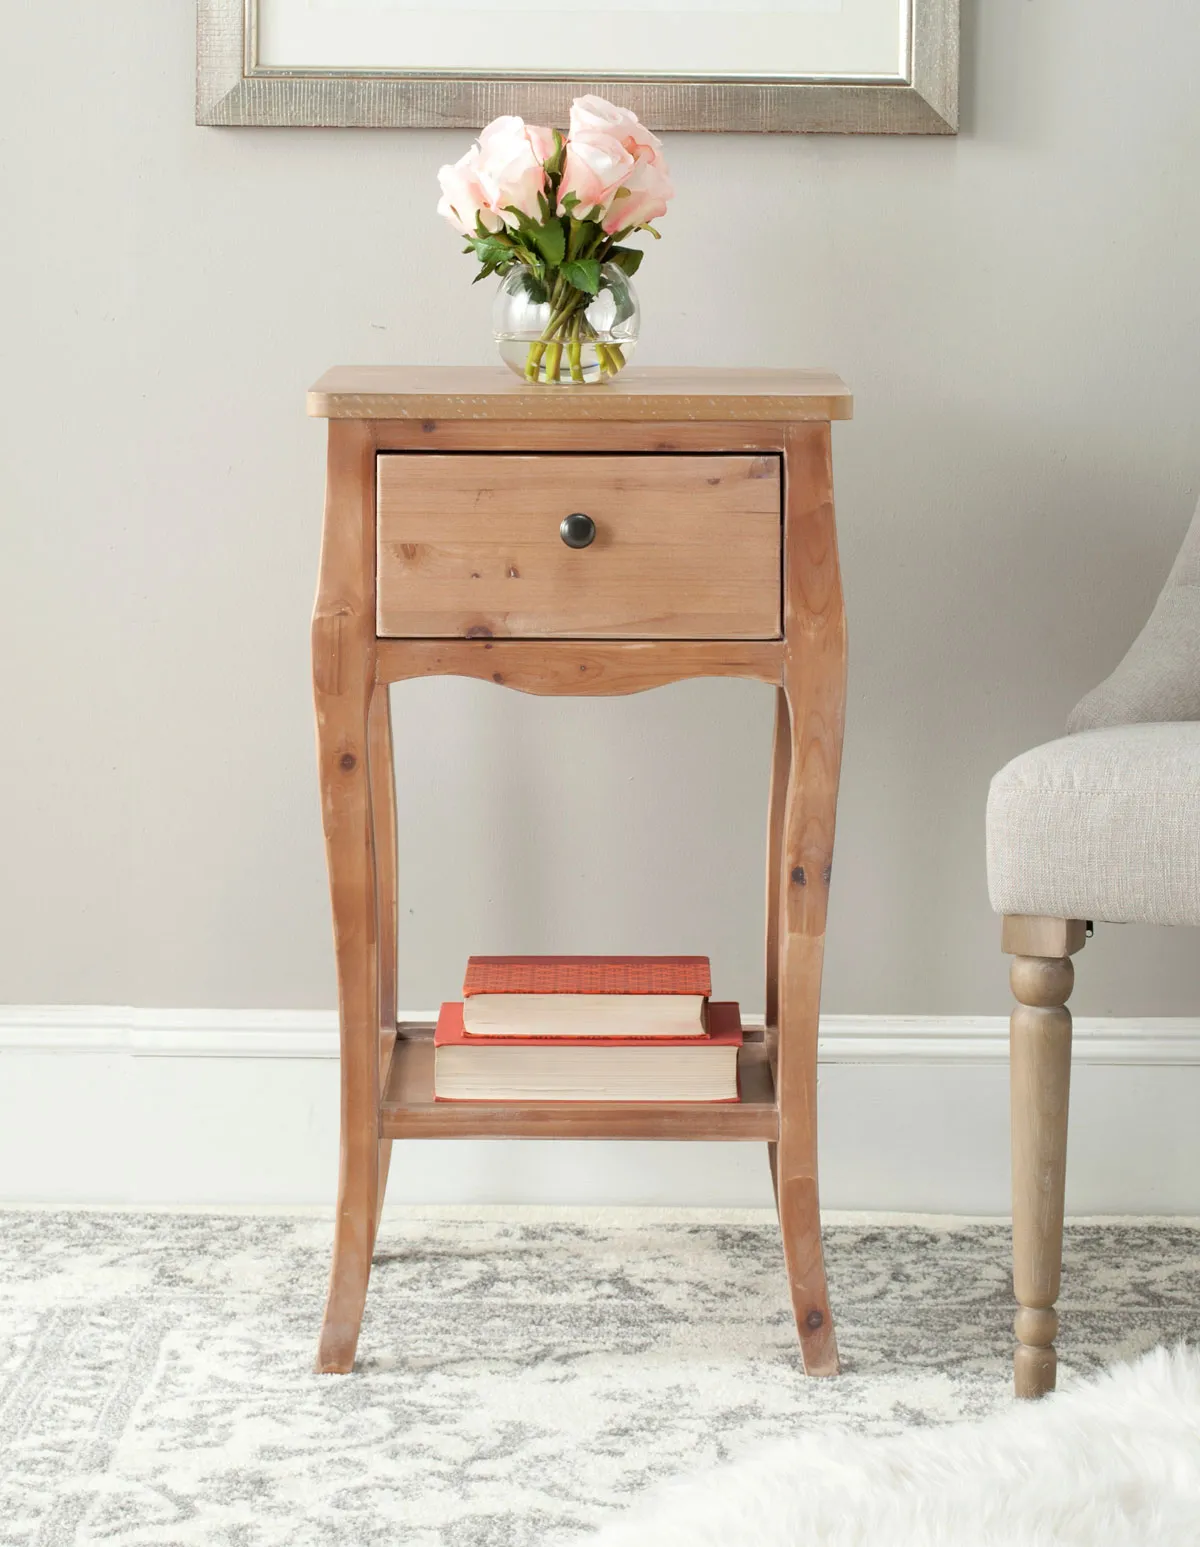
(553, 333)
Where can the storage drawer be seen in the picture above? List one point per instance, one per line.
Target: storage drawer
(676, 546)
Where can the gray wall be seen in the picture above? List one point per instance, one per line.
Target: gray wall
(1017, 310)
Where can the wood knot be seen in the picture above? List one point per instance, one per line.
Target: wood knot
(348, 762)
(799, 877)
(498, 676)
(428, 426)
(479, 631)
(814, 1319)
(513, 572)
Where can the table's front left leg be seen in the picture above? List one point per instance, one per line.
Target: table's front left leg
(343, 637)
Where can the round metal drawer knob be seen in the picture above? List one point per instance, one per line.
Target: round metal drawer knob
(577, 530)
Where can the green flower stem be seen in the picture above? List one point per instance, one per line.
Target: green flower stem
(561, 312)
(575, 350)
(568, 331)
(533, 360)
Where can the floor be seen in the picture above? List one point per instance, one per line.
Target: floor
(521, 1374)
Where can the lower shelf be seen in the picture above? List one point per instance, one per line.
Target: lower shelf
(409, 1111)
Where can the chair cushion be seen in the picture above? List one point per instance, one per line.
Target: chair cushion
(1159, 679)
(1101, 825)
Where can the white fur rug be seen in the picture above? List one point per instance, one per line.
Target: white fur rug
(1114, 1463)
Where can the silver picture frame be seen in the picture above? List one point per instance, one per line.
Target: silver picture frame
(234, 89)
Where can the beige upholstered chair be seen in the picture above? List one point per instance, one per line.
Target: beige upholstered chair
(1104, 824)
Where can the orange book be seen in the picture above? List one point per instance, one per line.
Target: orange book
(588, 975)
(586, 996)
(628, 1068)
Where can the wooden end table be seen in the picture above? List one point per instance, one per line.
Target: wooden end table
(584, 541)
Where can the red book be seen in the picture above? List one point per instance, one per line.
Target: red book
(588, 975)
(629, 1068)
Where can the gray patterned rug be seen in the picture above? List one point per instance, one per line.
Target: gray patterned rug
(522, 1374)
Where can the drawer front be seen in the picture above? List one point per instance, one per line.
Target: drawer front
(685, 547)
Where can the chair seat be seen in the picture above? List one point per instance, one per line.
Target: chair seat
(1104, 824)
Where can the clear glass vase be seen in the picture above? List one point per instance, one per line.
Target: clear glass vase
(555, 333)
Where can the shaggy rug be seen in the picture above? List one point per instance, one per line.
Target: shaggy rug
(524, 1376)
(1115, 1463)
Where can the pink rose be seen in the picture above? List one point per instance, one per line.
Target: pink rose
(593, 115)
(596, 166)
(542, 141)
(463, 197)
(642, 196)
(615, 166)
(504, 169)
(511, 166)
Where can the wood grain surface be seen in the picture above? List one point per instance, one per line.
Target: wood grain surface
(343, 657)
(641, 393)
(605, 669)
(685, 547)
(814, 694)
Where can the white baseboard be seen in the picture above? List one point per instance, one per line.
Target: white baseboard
(113, 1105)
(845, 1039)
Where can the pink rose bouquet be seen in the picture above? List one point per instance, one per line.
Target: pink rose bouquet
(551, 212)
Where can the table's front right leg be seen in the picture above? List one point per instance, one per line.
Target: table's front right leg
(382, 773)
(814, 687)
(781, 767)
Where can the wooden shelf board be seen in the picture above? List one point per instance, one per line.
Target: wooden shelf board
(409, 1111)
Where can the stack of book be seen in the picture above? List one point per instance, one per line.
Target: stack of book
(587, 1028)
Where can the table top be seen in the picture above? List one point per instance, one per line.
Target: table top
(640, 393)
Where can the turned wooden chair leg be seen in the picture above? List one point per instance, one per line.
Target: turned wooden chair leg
(1042, 977)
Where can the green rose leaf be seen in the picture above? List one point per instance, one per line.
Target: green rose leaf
(489, 249)
(550, 240)
(529, 283)
(627, 259)
(584, 274)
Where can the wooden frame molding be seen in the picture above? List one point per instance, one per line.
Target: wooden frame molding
(234, 88)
